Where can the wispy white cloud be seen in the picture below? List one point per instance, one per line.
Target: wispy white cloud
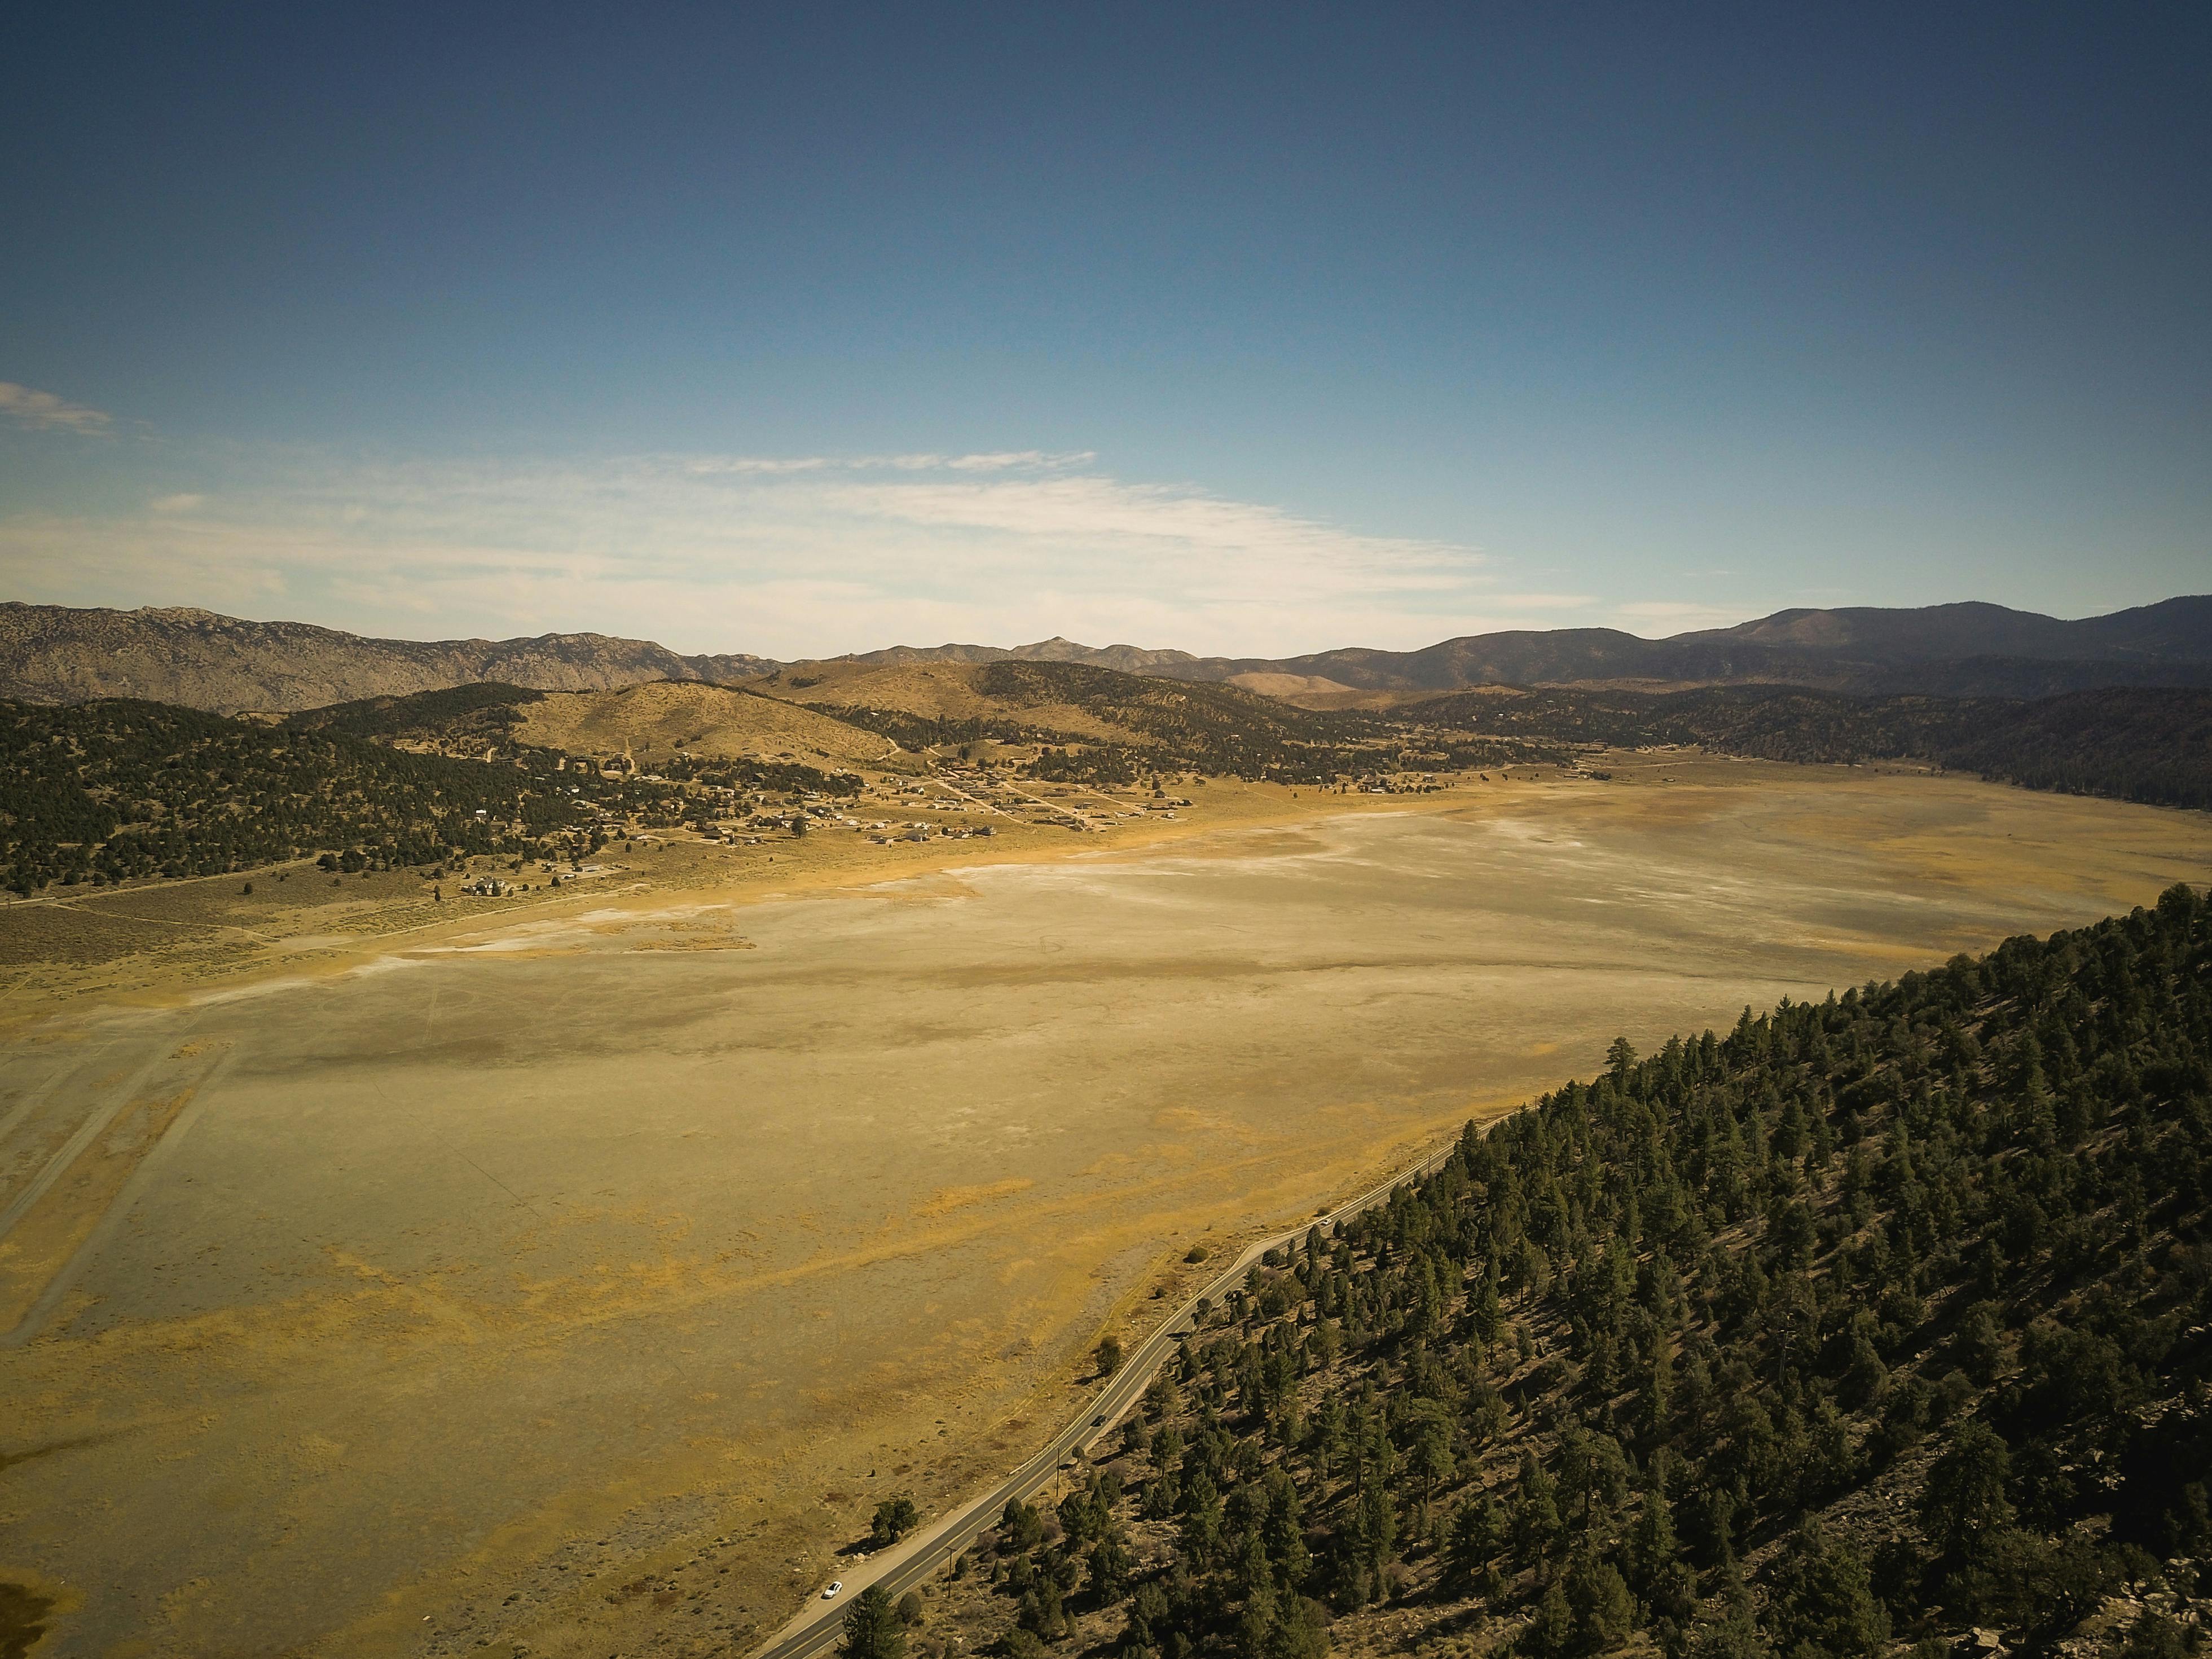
(996, 461)
(1222, 551)
(30, 407)
(807, 556)
(1002, 460)
(764, 465)
(1546, 601)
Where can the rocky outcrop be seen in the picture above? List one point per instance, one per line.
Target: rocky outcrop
(57, 655)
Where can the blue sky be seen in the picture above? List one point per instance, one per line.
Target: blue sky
(1255, 330)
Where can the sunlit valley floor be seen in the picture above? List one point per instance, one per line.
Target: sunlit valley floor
(437, 1301)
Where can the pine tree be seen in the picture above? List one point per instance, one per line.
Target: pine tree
(872, 1627)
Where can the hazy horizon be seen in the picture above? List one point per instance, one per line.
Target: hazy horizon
(1061, 636)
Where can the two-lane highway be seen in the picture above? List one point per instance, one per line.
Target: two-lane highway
(913, 1560)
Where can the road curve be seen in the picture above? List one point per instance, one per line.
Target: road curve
(915, 1558)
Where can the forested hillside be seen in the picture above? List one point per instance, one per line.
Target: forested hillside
(114, 791)
(1943, 650)
(2152, 745)
(2138, 746)
(488, 711)
(1869, 1322)
(1221, 730)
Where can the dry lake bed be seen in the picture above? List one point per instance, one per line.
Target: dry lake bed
(579, 1285)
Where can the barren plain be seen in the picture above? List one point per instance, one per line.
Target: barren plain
(574, 1282)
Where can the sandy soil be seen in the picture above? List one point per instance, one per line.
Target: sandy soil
(575, 1280)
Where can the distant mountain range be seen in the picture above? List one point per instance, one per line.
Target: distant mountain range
(1944, 650)
(57, 655)
(1125, 659)
(52, 653)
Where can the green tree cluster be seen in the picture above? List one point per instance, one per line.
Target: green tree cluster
(121, 790)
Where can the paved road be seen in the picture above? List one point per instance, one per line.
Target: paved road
(820, 1625)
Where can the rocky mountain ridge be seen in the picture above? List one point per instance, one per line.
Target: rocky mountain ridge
(197, 659)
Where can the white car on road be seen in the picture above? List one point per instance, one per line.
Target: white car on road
(838, 1585)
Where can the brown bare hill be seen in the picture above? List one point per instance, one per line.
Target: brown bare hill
(1306, 690)
(53, 653)
(656, 720)
(653, 721)
(909, 700)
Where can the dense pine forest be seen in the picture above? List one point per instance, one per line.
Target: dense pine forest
(487, 712)
(2145, 745)
(120, 790)
(1864, 1325)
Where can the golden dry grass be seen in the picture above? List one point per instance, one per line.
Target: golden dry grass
(657, 719)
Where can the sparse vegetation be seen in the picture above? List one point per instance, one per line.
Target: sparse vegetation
(781, 777)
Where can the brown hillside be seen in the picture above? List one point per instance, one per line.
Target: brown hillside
(1295, 687)
(657, 720)
(52, 654)
(933, 690)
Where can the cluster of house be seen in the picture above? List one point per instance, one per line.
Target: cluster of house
(925, 832)
(501, 887)
(623, 765)
(766, 821)
(1380, 785)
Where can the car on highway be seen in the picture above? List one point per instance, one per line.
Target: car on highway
(834, 1587)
